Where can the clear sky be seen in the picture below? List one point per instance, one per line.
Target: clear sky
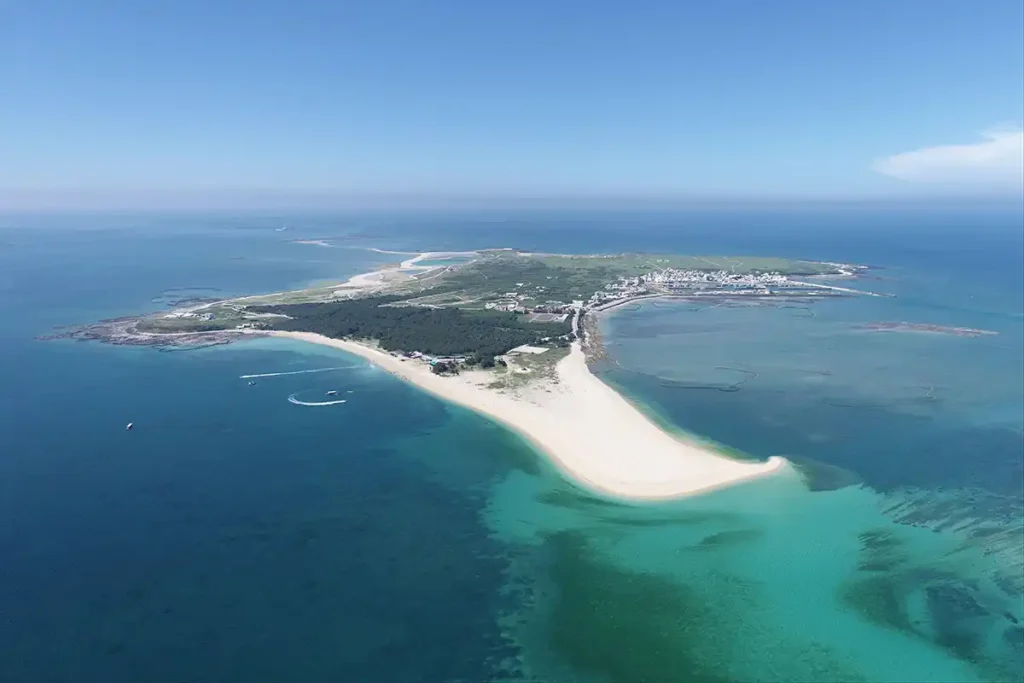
(755, 98)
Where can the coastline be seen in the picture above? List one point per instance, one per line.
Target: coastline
(586, 428)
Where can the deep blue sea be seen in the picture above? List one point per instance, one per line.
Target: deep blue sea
(236, 536)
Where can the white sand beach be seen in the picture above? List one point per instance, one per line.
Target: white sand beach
(364, 282)
(414, 263)
(378, 279)
(587, 429)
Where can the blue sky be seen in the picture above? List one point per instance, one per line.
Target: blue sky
(757, 98)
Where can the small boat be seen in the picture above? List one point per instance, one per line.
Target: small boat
(251, 383)
(130, 425)
(332, 392)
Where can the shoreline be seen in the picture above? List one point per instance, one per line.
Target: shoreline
(589, 431)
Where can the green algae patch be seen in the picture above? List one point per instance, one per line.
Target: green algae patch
(612, 624)
(625, 626)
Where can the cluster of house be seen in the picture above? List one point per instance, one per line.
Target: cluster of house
(717, 278)
(676, 279)
(515, 305)
(514, 302)
(505, 305)
(190, 314)
(509, 301)
(433, 360)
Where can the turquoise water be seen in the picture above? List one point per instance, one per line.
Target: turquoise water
(234, 535)
(913, 538)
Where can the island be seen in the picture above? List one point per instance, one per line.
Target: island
(509, 334)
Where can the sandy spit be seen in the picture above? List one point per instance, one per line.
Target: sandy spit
(585, 427)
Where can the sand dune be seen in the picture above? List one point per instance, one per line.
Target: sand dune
(587, 429)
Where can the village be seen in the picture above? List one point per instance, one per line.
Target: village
(667, 281)
(696, 282)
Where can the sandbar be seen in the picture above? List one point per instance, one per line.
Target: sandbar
(589, 431)
(414, 263)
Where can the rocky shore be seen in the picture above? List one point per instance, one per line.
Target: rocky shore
(125, 332)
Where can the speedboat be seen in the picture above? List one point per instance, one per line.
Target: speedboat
(332, 392)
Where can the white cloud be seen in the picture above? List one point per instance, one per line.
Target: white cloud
(996, 161)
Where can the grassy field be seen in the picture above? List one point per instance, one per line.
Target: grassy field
(532, 277)
(503, 276)
(639, 264)
(540, 278)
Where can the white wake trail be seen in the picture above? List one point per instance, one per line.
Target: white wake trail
(295, 372)
(292, 399)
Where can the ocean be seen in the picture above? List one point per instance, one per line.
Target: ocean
(237, 535)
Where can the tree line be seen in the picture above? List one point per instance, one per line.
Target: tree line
(479, 335)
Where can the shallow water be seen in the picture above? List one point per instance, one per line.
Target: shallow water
(764, 582)
(901, 556)
(234, 535)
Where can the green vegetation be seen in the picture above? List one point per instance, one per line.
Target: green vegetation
(639, 264)
(533, 277)
(481, 335)
(475, 296)
(526, 368)
(543, 279)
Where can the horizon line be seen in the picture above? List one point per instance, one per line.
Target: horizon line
(37, 200)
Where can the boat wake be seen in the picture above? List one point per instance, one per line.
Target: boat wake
(292, 399)
(294, 372)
